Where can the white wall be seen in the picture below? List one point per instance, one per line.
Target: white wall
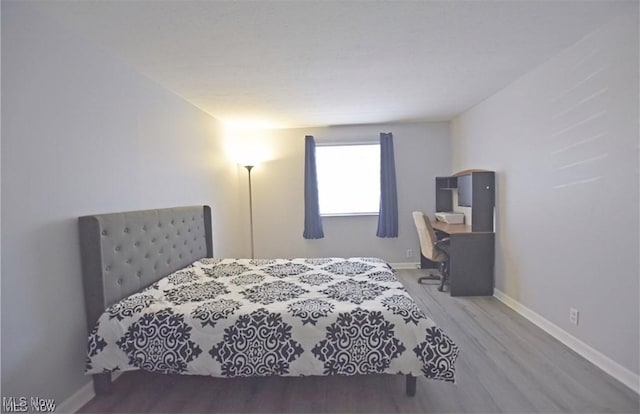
(83, 134)
(564, 142)
(422, 151)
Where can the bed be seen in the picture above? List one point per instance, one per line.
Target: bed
(157, 300)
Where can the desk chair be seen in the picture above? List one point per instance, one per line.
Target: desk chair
(432, 248)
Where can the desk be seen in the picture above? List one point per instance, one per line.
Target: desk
(471, 259)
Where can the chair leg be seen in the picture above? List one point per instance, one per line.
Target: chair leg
(444, 269)
(430, 277)
(441, 287)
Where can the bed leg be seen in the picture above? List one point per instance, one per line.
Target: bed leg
(102, 383)
(411, 386)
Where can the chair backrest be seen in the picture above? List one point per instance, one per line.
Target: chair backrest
(426, 235)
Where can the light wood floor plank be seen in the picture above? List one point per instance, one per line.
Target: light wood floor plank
(506, 365)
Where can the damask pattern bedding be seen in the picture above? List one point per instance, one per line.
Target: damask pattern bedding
(291, 317)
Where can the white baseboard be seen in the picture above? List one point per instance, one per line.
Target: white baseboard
(405, 265)
(77, 400)
(611, 367)
(81, 397)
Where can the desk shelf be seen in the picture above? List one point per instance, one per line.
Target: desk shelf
(482, 188)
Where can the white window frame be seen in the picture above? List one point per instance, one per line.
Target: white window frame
(366, 176)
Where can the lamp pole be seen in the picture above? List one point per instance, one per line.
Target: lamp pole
(249, 167)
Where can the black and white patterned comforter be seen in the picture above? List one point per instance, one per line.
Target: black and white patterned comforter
(241, 317)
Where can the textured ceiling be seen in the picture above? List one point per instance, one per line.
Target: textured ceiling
(313, 63)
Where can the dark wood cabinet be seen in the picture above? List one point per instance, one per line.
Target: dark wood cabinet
(471, 264)
(483, 196)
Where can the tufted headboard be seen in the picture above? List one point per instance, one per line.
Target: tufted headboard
(125, 252)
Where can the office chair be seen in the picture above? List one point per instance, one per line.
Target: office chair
(432, 248)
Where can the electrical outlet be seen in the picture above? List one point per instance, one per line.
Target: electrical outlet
(409, 253)
(573, 315)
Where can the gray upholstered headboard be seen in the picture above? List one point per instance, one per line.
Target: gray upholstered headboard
(125, 252)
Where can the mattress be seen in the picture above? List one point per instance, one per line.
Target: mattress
(286, 317)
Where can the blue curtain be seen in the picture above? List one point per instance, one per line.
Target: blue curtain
(388, 217)
(312, 219)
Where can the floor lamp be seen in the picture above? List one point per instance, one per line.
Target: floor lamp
(249, 167)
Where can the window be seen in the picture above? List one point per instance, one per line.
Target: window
(348, 179)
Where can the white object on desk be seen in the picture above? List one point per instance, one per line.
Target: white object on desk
(450, 217)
